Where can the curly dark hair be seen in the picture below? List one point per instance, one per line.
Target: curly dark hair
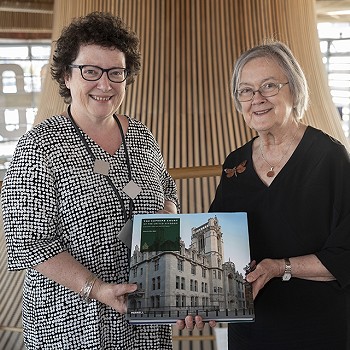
(96, 28)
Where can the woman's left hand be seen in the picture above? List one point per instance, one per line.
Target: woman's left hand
(307, 267)
(263, 272)
(169, 208)
(191, 322)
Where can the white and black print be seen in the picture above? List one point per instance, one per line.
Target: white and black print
(53, 201)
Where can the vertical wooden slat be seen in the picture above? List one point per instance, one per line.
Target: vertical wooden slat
(189, 48)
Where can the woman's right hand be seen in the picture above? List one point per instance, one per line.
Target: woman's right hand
(65, 270)
(113, 295)
(190, 322)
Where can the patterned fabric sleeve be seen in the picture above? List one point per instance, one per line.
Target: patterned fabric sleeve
(29, 206)
(53, 201)
(168, 182)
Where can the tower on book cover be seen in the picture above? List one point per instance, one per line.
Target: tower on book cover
(190, 264)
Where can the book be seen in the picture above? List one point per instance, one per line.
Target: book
(190, 264)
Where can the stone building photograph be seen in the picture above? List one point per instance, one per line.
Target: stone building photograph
(195, 278)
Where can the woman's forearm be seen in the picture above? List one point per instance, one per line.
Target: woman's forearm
(309, 267)
(65, 270)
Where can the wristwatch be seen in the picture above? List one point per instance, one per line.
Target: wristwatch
(287, 270)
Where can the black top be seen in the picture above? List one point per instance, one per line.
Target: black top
(305, 210)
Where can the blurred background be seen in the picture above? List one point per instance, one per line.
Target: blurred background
(182, 94)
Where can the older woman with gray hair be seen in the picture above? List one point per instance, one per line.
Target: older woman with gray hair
(293, 180)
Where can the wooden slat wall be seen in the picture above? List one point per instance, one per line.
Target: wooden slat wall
(22, 19)
(10, 301)
(182, 94)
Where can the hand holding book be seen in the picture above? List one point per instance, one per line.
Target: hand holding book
(189, 269)
(191, 322)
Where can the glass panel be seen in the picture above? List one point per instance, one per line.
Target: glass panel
(339, 66)
(8, 52)
(339, 77)
(340, 46)
(340, 59)
(41, 52)
(335, 47)
(23, 67)
(9, 82)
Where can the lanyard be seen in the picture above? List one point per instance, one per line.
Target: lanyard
(131, 203)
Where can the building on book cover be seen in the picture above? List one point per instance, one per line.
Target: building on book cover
(181, 271)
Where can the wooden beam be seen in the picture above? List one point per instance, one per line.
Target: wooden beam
(195, 172)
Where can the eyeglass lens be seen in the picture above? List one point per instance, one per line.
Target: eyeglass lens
(92, 73)
(267, 90)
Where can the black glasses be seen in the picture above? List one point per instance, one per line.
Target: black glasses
(93, 73)
(266, 90)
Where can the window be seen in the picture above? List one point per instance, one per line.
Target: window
(9, 82)
(180, 265)
(177, 283)
(23, 67)
(156, 265)
(201, 243)
(334, 45)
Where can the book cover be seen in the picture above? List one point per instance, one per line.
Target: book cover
(190, 264)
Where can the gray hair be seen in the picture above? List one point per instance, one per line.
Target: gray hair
(283, 56)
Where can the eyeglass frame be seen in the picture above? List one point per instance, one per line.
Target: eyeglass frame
(279, 86)
(81, 66)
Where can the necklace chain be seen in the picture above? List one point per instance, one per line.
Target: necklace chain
(271, 172)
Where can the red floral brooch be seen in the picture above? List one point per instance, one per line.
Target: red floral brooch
(236, 170)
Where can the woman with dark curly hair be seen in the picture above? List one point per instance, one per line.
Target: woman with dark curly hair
(74, 182)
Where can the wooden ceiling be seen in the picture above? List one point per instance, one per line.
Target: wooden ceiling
(32, 19)
(26, 19)
(333, 10)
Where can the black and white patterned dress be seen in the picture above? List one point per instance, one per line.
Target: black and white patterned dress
(53, 201)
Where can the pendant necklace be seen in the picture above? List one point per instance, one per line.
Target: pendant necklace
(102, 167)
(271, 172)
